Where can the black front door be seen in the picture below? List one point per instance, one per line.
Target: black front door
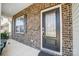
(51, 30)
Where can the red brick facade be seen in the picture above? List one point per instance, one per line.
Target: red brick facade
(33, 26)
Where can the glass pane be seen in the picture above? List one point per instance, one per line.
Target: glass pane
(21, 28)
(19, 22)
(50, 23)
(17, 29)
(20, 25)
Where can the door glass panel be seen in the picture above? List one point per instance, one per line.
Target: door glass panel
(51, 30)
(50, 24)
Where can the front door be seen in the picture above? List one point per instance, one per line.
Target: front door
(51, 30)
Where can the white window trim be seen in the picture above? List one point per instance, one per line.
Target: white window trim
(47, 50)
(15, 26)
(20, 32)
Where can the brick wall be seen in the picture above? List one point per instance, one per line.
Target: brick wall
(67, 29)
(33, 26)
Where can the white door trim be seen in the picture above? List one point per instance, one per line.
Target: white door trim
(44, 49)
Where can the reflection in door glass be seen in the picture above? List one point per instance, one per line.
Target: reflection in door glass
(50, 23)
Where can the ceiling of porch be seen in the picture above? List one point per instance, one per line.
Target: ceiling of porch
(10, 9)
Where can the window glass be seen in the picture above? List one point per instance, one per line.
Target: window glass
(20, 25)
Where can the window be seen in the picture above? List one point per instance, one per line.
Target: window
(20, 25)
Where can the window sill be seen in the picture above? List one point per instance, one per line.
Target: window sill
(20, 32)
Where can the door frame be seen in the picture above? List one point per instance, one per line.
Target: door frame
(48, 50)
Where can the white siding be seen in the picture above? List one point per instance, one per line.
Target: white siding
(75, 17)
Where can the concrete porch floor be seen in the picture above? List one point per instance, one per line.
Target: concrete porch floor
(15, 48)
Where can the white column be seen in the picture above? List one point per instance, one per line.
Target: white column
(0, 9)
